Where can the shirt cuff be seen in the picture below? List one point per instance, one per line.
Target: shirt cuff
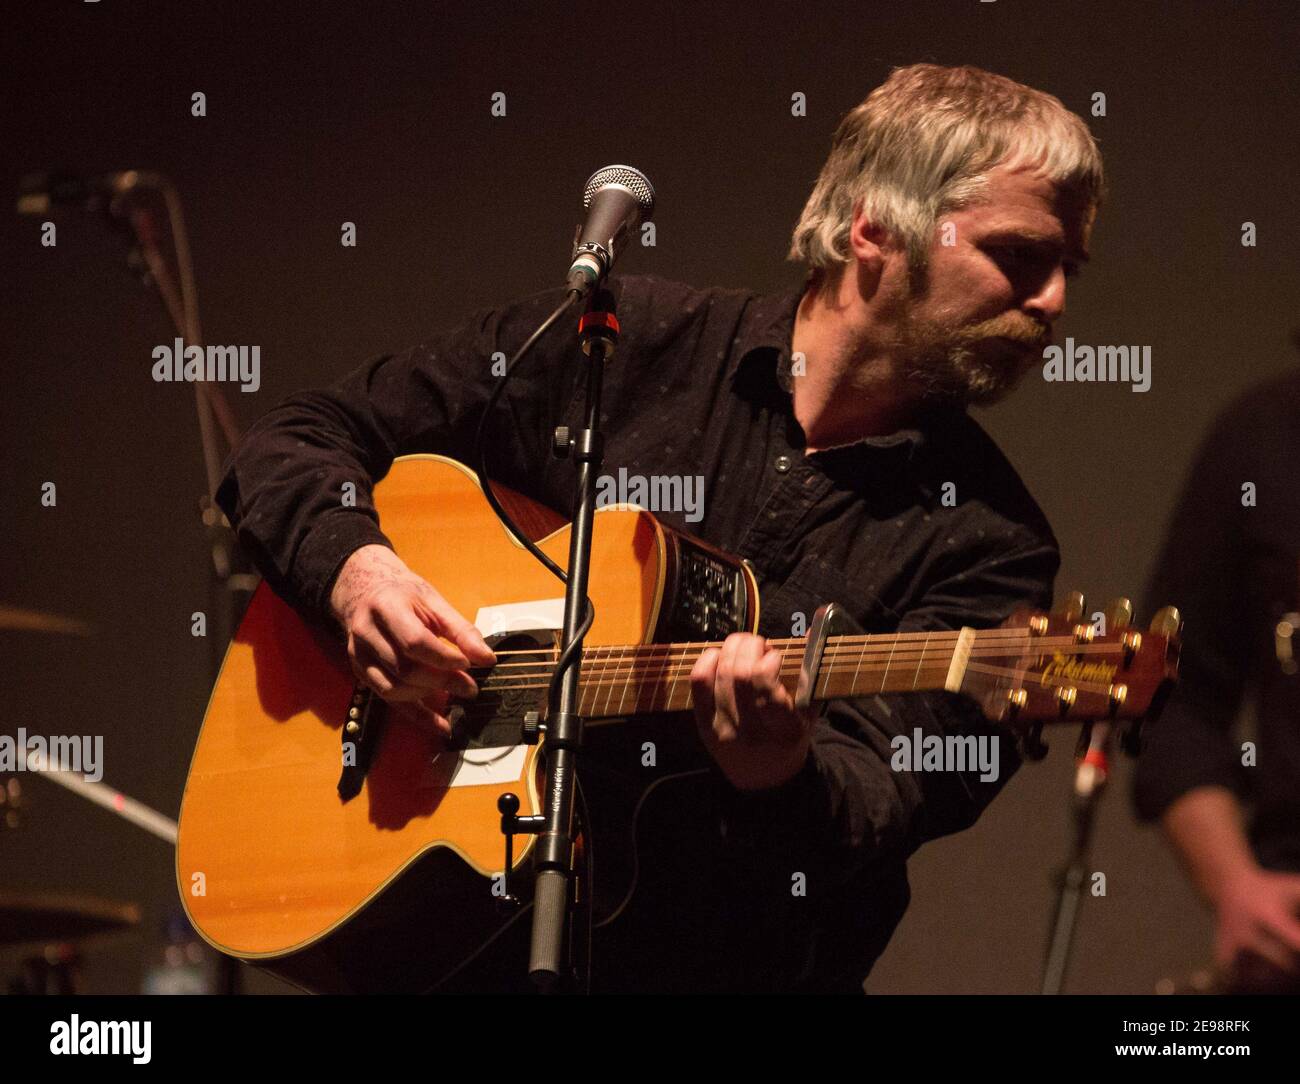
(792, 816)
(333, 539)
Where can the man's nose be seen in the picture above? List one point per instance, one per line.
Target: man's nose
(1047, 303)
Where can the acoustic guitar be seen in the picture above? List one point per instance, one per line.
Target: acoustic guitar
(344, 849)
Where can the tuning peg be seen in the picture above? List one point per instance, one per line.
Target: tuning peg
(1073, 608)
(1118, 614)
(1167, 621)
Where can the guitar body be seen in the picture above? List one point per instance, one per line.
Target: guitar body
(390, 888)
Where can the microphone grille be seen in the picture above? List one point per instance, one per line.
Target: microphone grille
(633, 180)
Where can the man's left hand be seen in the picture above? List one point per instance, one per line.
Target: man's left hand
(746, 717)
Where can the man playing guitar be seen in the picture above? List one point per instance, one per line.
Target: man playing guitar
(830, 427)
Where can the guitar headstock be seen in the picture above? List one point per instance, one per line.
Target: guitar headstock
(1042, 668)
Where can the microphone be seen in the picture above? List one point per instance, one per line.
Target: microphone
(617, 199)
(38, 193)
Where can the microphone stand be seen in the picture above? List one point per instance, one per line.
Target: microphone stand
(1091, 774)
(227, 574)
(552, 898)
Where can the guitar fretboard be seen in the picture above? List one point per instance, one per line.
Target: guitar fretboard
(623, 680)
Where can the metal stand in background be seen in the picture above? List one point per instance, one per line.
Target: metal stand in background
(61, 921)
(1091, 773)
(1092, 770)
(230, 581)
(228, 577)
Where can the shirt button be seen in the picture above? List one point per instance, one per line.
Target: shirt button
(782, 464)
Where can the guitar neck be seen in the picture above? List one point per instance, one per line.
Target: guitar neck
(627, 680)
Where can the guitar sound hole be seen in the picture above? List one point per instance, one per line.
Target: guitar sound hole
(509, 690)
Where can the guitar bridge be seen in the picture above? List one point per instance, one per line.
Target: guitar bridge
(359, 733)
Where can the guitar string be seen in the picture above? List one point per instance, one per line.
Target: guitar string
(634, 661)
(1018, 631)
(1085, 687)
(938, 636)
(613, 678)
(876, 642)
(832, 671)
(632, 655)
(605, 671)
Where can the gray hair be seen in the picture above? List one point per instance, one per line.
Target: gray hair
(920, 146)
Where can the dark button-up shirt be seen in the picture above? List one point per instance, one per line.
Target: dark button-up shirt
(1230, 563)
(928, 528)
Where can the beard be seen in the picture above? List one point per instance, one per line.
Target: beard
(971, 363)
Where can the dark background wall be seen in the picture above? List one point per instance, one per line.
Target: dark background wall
(320, 114)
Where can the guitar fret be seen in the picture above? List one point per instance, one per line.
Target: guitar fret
(605, 680)
(921, 662)
(624, 693)
(676, 678)
(592, 677)
(623, 659)
(885, 678)
(585, 686)
(638, 675)
(609, 685)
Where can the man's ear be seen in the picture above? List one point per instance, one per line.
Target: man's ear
(867, 242)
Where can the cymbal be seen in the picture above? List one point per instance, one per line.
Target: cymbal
(12, 617)
(49, 916)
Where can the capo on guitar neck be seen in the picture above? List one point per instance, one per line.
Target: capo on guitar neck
(829, 620)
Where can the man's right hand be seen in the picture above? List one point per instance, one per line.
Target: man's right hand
(405, 641)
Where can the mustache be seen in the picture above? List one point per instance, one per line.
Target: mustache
(1027, 332)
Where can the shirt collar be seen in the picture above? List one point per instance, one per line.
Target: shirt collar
(767, 325)
(762, 346)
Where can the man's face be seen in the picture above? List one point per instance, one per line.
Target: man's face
(984, 310)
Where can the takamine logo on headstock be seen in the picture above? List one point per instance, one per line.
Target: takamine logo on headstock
(1063, 668)
(1071, 668)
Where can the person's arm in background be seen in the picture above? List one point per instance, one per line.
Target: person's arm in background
(1255, 908)
(1189, 774)
(284, 486)
(843, 806)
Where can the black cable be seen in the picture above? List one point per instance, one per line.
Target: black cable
(566, 657)
(480, 446)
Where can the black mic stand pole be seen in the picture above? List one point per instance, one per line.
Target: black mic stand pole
(552, 898)
(1091, 774)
